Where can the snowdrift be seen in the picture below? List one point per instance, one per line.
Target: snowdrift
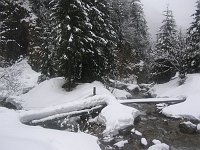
(15, 135)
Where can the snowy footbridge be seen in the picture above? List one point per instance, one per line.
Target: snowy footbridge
(152, 100)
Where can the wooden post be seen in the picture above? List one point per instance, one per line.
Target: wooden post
(94, 91)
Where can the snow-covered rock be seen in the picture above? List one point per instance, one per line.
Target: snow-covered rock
(188, 127)
(143, 141)
(121, 144)
(17, 136)
(198, 128)
(121, 94)
(134, 131)
(117, 116)
(161, 146)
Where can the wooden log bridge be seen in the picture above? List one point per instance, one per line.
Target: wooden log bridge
(153, 100)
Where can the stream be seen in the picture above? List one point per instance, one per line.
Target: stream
(151, 124)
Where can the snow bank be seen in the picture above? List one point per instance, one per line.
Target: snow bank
(50, 93)
(188, 109)
(116, 117)
(190, 90)
(15, 135)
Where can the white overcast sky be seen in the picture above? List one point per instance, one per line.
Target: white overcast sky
(182, 10)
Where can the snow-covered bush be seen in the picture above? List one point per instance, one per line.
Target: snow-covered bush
(16, 79)
(10, 85)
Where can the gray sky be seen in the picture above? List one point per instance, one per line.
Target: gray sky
(182, 10)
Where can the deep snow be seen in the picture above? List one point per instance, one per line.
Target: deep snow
(48, 100)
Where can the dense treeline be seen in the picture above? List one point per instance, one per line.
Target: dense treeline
(87, 40)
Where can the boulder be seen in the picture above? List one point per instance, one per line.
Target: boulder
(188, 127)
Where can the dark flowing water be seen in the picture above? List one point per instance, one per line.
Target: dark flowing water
(151, 124)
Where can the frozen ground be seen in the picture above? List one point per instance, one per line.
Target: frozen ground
(190, 90)
(16, 136)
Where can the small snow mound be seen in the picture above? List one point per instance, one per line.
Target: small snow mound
(156, 142)
(121, 143)
(144, 141)
(161, 146)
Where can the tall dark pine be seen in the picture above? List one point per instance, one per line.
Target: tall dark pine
(13, 30)
(194, 42)
(163, 67)
(166, 38)
(85, 45)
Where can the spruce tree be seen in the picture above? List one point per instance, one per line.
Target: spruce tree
(85, 45)
(44, 33)
(163, 67)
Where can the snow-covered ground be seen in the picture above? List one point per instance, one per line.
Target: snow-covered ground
(16, 136)
(189, 90)
(48, 100)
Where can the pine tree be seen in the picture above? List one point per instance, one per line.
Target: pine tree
(104, 36)
(166, 38)
(163, 67)
(85, 51)
(194, 42)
